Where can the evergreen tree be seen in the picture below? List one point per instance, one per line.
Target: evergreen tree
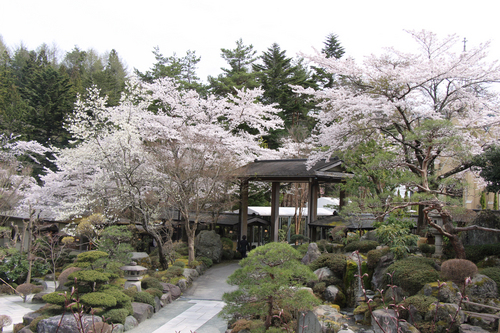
(181, 69)
(276, 74)
(332, 49)
(114, 78)
(240, 74)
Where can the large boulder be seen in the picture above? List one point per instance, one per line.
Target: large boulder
(387, 319)
(29, 317)
(323, 273)
(312, 254)
(466, 328)
(130, 323)
(380, 271)
(441, 316)
(63, 277)
(334, 295)
(208, 244)
(329, 315)
(68, 324)
(142, 311)
(190, 274)
(175, 291)
(446, 292)
(481, 287)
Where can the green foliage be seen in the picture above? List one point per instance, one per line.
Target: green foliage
(482, 200)
(420, 302)
(426, 248)
(114, 240)
(121, 298)
(373, 256)
(325, 246)
(362, 246)
(151, 282)
(87, 281)
(91, 256)
(335, 262)
(98, 300)
(14, 268)
(396, 233)
(55, 297)
(227, 248)
(476, 253)
(116, 316)
(269, 276)
(144, 297)
(33, 326)
(154, 292)
(179, 263)
(207, 261)
(175, 271)
(494, 274)
(412, 273)
(319, 288)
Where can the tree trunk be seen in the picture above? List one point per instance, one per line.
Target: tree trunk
(269, 316)
(421, 221)
(457, 246)
(161, 255)
(191, 251)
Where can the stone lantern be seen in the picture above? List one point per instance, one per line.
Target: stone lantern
(133, 274)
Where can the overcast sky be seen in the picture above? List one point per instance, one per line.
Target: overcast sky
(133, 28)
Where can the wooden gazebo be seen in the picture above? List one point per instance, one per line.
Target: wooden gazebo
(289, 171)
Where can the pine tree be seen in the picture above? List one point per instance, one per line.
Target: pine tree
(240, 74)
(276, 74)
(332, 49)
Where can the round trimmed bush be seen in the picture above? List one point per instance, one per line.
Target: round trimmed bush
(98, 300)
(89, 276)
(121, 298)
(55, 297)
(336, 262)
(116, 316)
(412, 273)
(362, 246)
(179, 263)
(207, 261)
(457, 270)
(144, 297)
(151, 282)
(155, 292)
(91, 256)
(173, 271)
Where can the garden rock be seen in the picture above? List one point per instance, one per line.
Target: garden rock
(175, 291)
(190, 274)
(481, 287)
(445, 311)
(119, 328)
(101, 328)
(157, 304)
(308, 323)
(328, 314)
(29, 317)
(130, 323)
(183, 284)
(323, 273)
(312, 254)
(166, 298)
(380, 270)
(37, 298)
(448, 293)
(465, 328)
(331, 293)
(345, 329)
(25, 330)
(63, 277)
(68, 323)
(387, 319)
(142, 311)
(208, 244)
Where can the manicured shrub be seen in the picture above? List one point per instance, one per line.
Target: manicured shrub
(173, 271)
(336, 262)
(194, 264)
(51, 310)
(154, 292)
(426, 248)
(362, 246)
(207, 261)
(91, 256)
(325, 246)
(98, 300)
(131, 292)
(144, 297)
(55, 297)
(116, 316)
(28, 288)
(494, 274)
(412, 273)
(151, 282)
(121, 298)
(179, 263)
(319, 288)
(373, 256)
(457, 270)
(87, 280)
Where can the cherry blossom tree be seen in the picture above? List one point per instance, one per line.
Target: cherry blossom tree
(433, 111)
(160, 150)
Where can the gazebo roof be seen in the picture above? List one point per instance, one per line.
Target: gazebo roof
(293, 170)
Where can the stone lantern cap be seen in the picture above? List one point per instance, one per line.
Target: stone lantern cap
(133, 271)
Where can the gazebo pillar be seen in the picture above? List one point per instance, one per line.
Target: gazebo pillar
(275, 211)
(243, 207)
(312, 209)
